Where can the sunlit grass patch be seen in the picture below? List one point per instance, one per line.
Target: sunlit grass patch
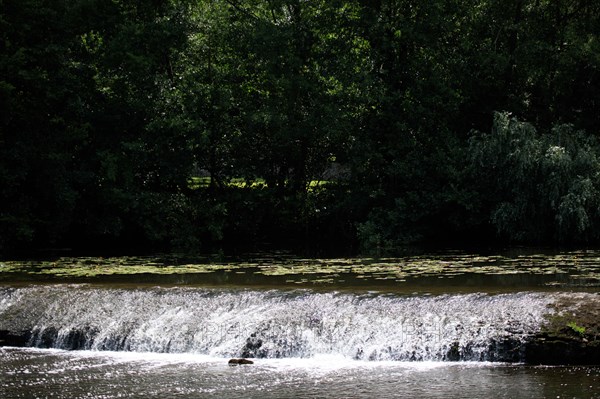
(197, 182)
(202, 182)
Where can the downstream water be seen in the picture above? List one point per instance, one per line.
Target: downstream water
(86, 374)
(448, 326)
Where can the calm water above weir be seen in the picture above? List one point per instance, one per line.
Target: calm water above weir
(440, 273)
(442, 326)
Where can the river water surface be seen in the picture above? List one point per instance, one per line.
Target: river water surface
(88, 374)
(164, 327)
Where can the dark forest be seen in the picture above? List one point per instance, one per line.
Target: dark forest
(360, 126)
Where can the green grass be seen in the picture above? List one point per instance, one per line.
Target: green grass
(576, 328)
(197, 183)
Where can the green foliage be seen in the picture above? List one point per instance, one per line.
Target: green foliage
(112, 109)
(538, 186)
(577, 329)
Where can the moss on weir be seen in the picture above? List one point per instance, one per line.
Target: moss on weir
(571, 334)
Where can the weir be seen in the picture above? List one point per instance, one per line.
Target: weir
(274, 323)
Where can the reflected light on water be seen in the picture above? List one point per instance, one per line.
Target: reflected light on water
(27, 373)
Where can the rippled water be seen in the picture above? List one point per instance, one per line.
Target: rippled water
(439, 273)
(26, 373)
(164, 327)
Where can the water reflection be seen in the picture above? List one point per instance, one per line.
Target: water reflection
(59, 374)
(450, 272)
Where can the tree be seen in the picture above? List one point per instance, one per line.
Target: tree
(44, 126)
(538, 187)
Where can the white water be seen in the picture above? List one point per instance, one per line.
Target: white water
(49, 373)
(275, 324)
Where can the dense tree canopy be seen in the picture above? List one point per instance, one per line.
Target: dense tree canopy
(346, 124)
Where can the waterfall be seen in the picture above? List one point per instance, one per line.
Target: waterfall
(275, 323)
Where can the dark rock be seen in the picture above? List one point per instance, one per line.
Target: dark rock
(11, 338)
(77, 339)
(252, 347)
(45, 337)
(114, 343)
(240, 361)
(553, 349)
(453, 353)
(570, 336)
(507, 349)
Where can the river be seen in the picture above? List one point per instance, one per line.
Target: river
(448, 325)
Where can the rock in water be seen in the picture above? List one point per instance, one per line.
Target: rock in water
(240, 361)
